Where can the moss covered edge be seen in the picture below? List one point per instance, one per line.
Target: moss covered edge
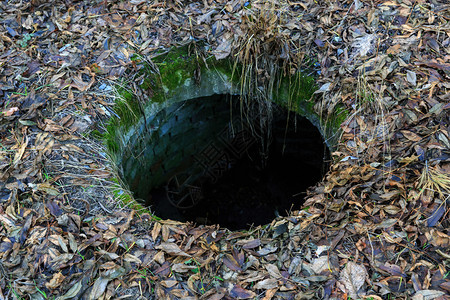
(184, 73)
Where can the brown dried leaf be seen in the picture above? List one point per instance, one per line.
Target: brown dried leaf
(411, 135)
(98, 288)
(240, 293)
(182, 268)
(19, 153)
(131, 258)
(165, 233)
(9, 112)
(172, 249)
(267, 284)
(353, 277)
(169, 283)
(269, 294)
(427, 294)
(81, 85)
(231, 263)
(273, 270)
(56, 281)
(250, 244)
(47, 188)
(392, 209)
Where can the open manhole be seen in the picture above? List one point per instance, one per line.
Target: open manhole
(192, 149)
(203, 160)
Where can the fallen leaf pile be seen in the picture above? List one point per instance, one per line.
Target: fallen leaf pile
(376, 227)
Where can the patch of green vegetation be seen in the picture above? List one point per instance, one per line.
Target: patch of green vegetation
(95, 134)
(111, 137)
(25, 39)
(297, 94)
(339, 115)
(175, 67)
(127, 200)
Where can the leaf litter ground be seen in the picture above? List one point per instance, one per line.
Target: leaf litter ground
(376, 227)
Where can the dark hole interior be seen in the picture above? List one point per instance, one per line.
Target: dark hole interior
(249, 188)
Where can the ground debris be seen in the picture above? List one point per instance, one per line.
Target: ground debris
(376, 227)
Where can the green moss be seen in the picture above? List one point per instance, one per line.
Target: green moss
(295, 93)
(175, 67)
(95, 134)
(110, 136)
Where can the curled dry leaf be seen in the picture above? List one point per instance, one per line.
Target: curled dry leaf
(56, 281)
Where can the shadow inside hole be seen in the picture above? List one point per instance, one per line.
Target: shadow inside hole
(238, 190)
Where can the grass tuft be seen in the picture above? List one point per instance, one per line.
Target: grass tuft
(433, 179)
(266, 54)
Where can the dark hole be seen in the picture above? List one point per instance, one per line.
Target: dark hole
(233, 180)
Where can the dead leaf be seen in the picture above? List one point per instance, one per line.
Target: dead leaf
(172, 249)
(19, 153)
(72, 292)
(411, 135)
(240, 293)
(98, 288)
(80, 84)
(169, 283)
(273, 270)
(320, 264)
(353, 277)
(131, 258)
(411, 77)
(10, 111)
(231, 263)
(269, 294)
(156, 230)
(267, 284)
(182, 268)
(427, 295)
(324, 88)
(250, 244)
(56, 281)
(223, 50)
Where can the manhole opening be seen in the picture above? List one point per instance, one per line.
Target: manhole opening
(209, 164)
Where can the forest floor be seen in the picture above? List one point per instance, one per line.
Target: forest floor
(376, 227)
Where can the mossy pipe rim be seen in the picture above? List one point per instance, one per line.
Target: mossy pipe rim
(176, 79)
(175, 83)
